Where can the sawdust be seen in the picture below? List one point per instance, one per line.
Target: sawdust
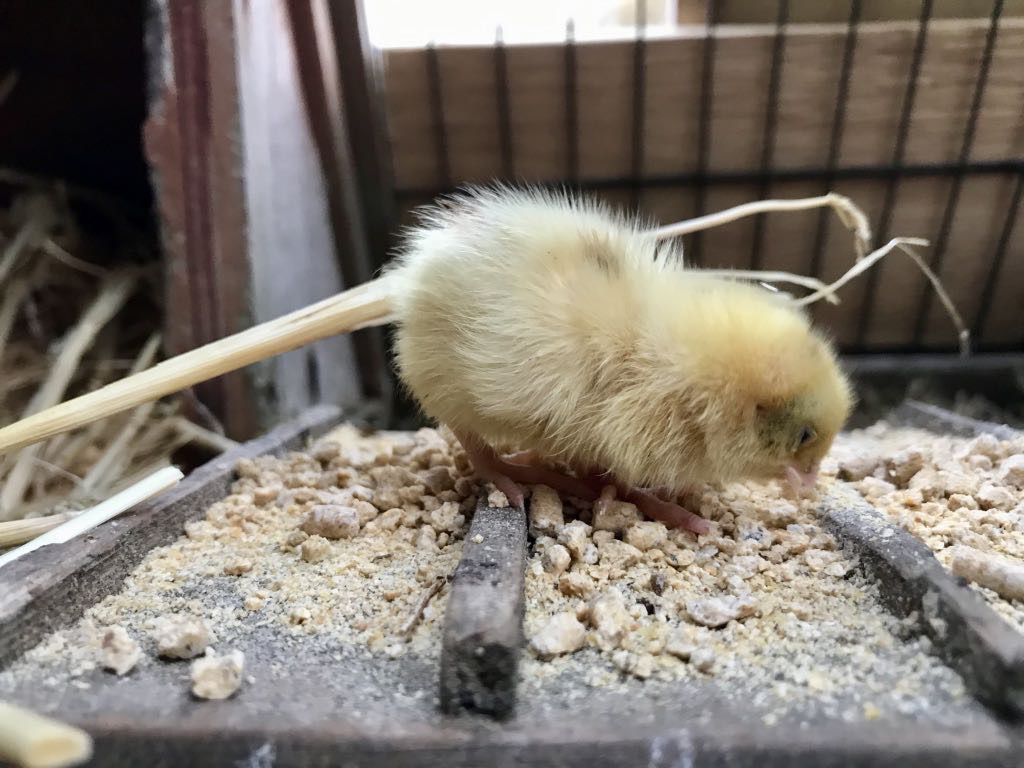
(766, 603)
(351, 543)
(248, 565)
(950, 492)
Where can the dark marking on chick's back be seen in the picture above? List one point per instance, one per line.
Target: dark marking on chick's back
(601, 254)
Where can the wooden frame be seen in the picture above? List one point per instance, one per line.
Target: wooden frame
(322, 721)
(247, 119)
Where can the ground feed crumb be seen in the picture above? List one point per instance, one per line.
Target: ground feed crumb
(249, 564)
(217, 676)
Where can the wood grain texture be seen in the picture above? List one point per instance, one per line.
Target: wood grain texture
(331, 707)
(672, 83)
(967, 633)
(483, 626)
(604, 84)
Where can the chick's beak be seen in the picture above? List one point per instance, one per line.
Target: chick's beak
(801, 481)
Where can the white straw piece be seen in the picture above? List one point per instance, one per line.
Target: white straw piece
(902, 244)
(849, 214)
(85, 521)
(758, 276)
(31, 740)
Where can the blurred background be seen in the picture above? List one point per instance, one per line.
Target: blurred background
(173, 171)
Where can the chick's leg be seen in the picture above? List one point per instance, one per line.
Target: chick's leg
(508, 476)
(667, 512)
(654, 504)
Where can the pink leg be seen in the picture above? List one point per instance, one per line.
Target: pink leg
(508, 476)
(523, 457)
(523, 468)
(655, 503)
(667, 512)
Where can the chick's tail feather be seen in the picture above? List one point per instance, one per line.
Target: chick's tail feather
(367, 305)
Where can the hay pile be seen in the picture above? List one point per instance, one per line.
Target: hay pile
(79, 308)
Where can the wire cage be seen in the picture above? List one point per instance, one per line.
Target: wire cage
(919, 121)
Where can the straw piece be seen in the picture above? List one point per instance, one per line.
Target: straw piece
(110, 463)
(361, 307)
(13, 296)
(7, 84)
(55, 469)
(31, 740)
(17, 532)
(773, 277)
(57, 253)
(40, 219)
(85, 521)
(849, 214)
(902, 244)
(207, 438)
(76, 342)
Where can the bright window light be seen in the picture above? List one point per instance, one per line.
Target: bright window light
(412, 23)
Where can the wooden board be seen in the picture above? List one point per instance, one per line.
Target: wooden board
(50, 588)
(328, 706)
(483, 629)
(605, 84)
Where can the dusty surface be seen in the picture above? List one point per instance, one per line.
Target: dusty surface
(952, 493)
(763, 610)
(316, 563)
(249, 569)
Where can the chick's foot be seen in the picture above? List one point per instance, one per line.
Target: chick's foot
(667, 512)
(508, 476)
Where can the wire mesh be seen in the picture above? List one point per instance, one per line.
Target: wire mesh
(509, 141)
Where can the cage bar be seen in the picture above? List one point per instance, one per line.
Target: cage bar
(836, 137)
(502, 95)
(707, 95)
(938, 253)
(771, 120)
(899, 152)
(435, 89)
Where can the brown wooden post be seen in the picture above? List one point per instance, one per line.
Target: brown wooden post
(258, 213)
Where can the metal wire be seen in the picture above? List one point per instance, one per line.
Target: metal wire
(702, 177)
(504, 120)
(771, 120)
(899, 151)
(707, 86)
(836, 139)
(1013, 213)
(924, 303)
(848, 173)
(436, 93)
(639, 93)
(572, 133)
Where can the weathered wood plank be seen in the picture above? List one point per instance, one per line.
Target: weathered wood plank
(483, 632)
(604, 87)
(967, 634)
(917, 414)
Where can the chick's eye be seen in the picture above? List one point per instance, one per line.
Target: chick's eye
(806, 435)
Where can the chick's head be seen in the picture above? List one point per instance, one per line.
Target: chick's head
(763, 385)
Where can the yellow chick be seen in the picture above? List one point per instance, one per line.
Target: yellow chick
(532, 320)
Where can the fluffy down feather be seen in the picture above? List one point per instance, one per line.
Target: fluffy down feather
(537, 321)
